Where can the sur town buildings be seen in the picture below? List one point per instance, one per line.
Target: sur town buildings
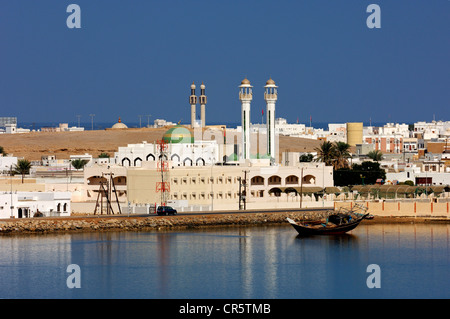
(203, 167)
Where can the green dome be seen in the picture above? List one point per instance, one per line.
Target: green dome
(178, 134)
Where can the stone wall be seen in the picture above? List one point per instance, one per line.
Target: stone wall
(95, 223)
(417, 208)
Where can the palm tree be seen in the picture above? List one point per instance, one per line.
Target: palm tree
(22, 167)
(2, 151)
(341, 153)
(78, 163)
(325, 153)
(375, 155)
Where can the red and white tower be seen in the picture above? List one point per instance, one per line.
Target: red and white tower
(163, 186)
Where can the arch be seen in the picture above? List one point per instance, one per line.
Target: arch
(309, 179)
(187, 159)
(124, 160)
(136, 161)
(96, 180)
(58, 207)
(120, 180)
(65, 207)
(290, 190)
(150, 155)
(276, 191)
(177, 156)
(19, 213)
(161, 155)
(200, 160)
(257, 180)
(291, 180)
(274, 180)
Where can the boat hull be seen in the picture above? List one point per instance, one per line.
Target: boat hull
(304, 230)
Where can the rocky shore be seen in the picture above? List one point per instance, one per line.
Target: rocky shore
(124, 223)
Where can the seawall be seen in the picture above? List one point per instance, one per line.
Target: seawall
(124, 223)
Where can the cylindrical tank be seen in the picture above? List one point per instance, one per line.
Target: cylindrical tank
(354, 133)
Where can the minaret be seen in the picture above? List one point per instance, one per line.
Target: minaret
(270, 95)
(193, 102)
(202, 104)
(245, 95)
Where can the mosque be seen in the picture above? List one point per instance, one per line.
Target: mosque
(199, 177)
(185, 150)
(182, 150)
(119, 125)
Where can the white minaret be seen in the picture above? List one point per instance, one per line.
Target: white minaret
(270, 95)
(193, 102)
(202, 104)
(245, 95)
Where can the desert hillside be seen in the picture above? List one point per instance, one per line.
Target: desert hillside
(62, 144)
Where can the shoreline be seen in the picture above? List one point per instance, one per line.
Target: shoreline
(156, 223)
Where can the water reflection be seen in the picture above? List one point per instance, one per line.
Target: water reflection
(241, 262)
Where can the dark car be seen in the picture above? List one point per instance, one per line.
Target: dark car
(166, 210)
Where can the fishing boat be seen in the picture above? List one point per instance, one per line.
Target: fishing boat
(335, 223)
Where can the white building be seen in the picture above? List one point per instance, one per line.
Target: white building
(182, 150)
(162, 123)
(13, 129)
(27, 204)
(7, 163)
(86, 157)
(430, 130)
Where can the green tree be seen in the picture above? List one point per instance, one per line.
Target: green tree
(78, 163)
(22, 167)
(375, 155)
(341, 154)
(306, 157)
(325, 153)
(369, 171)
(103, 155)
(2, 151)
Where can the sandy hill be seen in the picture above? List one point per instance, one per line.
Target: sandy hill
(62, 144)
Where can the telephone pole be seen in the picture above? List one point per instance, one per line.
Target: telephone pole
(92, 121)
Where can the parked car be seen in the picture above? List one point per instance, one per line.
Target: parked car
(166, 210)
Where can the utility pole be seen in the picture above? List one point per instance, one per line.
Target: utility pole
(78, 116)
(92, 121)
(243, 193)
(301, 188)
(148, 120)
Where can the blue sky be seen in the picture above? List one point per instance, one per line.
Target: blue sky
(134, 58)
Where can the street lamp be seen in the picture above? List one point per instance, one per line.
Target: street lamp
(11, 206)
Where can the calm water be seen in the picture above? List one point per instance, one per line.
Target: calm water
(248, 262)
